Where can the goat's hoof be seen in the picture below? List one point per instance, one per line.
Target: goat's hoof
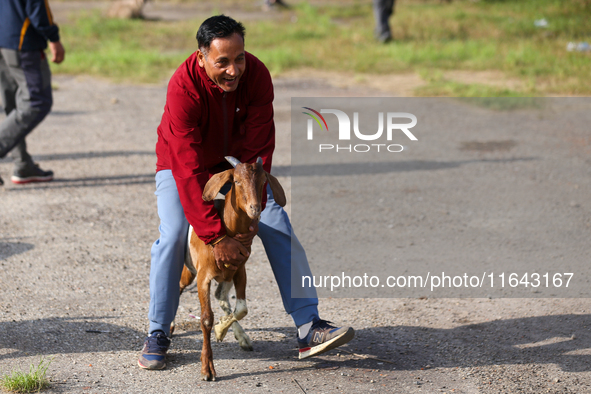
(220, 332)
(209, 377)
(171, 328)
(245, 343)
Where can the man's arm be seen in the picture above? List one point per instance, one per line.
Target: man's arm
(180, 129)
(58, 53)
(41, 20)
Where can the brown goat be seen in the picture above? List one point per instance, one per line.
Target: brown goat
(242, 205)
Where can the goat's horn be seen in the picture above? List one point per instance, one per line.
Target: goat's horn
(232, 160)
(260, 160)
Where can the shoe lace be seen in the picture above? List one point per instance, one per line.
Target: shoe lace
(157, 343)
(323, 324)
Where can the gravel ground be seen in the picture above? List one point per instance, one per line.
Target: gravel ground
(74, 258)
(74, 255)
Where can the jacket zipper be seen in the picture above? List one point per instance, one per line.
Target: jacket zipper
(225, 114)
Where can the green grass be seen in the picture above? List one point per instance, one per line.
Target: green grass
(124, 50)
(429, 35)
(21, 382)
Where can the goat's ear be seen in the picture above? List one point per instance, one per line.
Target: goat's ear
(277, 189)
(215, 183)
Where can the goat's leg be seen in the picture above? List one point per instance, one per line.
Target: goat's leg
(203, 287)
(241, 309)
(239, 334)
(231, 319)
(188, 275)
(221, 294)
(187, 278)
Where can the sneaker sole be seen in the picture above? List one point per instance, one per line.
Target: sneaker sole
(144, 367)
(20, 181)
(333, 343)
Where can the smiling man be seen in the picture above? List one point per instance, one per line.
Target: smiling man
(220, 103)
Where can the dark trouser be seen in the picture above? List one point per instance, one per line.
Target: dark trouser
(25, 88)
(383, 10)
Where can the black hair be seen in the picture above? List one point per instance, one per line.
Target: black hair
(219, 26)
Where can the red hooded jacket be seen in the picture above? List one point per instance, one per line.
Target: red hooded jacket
(201, 124)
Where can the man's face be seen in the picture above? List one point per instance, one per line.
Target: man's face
(225, 61)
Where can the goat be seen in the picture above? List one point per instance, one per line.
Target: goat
(242, 205)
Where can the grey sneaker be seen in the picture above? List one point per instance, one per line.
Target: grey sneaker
(323, 337)
(31, 174)
(153, 354)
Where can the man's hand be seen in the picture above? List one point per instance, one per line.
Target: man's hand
(246, 239)
(58, 53)
(229, 254)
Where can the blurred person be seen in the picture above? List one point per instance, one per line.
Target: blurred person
(25, 79)
(220, 103)
(383, 10)
(274, 4)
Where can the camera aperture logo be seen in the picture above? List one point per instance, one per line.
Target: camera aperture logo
(344, 132)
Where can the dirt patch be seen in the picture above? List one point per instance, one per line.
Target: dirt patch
(405, 84)
(489, 78)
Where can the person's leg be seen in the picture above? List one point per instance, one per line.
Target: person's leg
(8, 87)
(289, 263)
(32, 102)
(383, 10)
(288, 259)
(22, 158)
(168, 254)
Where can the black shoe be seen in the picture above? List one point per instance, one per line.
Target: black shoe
(153, 354)
(31, 173)
(324, 337)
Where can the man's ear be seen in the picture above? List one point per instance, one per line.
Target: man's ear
(215, 183)
(277, 189)
(200, 58)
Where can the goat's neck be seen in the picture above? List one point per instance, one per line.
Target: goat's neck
(235, 219)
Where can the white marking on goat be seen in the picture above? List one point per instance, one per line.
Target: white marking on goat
(241, 310)
(227, 321)
(222, 297)
(188, 259)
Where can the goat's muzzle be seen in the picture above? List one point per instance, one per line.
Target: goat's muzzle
(254, 211)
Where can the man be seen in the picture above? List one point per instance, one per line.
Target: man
(25, 79)
(220, 103)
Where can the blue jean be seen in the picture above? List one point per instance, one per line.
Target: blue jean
(168, 255)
